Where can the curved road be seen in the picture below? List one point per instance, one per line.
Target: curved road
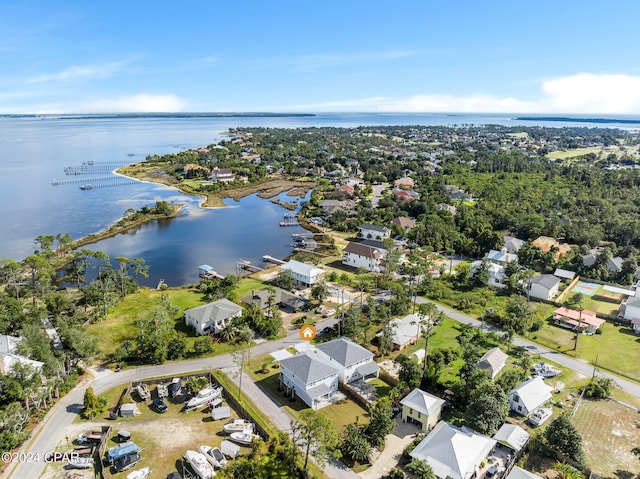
(48, 433)
(577, 365)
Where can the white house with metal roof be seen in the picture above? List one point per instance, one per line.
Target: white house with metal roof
(543, 287)
(308, 376)
(422, 408)
(373, 232)
(512, 436)
(501, 257)
(353, 361)
(212, 317)
(454, 452)
(9, 358)
(304, 274)
(529, 396)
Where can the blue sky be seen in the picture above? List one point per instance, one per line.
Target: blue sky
(560, 56)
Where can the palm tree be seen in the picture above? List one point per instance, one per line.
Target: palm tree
(228, 332)
(575, 302)
(566, 471)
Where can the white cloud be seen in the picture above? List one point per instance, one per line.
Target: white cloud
(591, 93)
(78, 72)
(582, 93)
(140, 103)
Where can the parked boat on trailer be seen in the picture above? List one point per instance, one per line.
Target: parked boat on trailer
(204, 396)
(214, 456)
(199, 464)
(238, 425)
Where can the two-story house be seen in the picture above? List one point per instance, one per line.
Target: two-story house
(213, 317)
(304, 274)
(358, 255)
(422, 408)
(373, 232)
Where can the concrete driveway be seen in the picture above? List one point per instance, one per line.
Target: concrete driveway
(395, 443)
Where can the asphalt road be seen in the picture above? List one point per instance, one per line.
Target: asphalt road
(50, 431)
(577, 365)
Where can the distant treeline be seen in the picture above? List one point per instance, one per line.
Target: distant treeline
(577, 120)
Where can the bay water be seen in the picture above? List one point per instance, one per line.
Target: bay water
(34, 152)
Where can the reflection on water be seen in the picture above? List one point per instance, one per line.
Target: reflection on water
(220, 237)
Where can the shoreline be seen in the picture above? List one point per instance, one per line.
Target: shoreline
(268, 189)
(114, 230)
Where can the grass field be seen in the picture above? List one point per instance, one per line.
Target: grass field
(616, 349)
(120, 324)
(564, 154)
(601, 302)
(609, 431)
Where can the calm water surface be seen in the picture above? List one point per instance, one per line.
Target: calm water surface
(34, 151)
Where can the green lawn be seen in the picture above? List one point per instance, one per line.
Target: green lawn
(563, 154)
(245, 285)
(120, 324)
(616, 349)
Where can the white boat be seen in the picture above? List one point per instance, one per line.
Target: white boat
(143, 391)
(162, 390)
(139, 474)
(238, 425)
(540, 416)
(78, 462)
(204, 396)
(214, 456)
(199, 464)
(245, 437)
(545, 370)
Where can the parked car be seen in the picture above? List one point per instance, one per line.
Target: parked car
(328, 313)
(321, 309)
(159, 405)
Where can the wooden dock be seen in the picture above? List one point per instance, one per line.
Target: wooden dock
(289, 223)
(270, 259)
(207, 272)
(245, 267)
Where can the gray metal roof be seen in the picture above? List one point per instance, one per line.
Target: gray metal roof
(368, 368)
(546, 280)
(421, 401)
(381, 229)
(345, 351)
(307, 368)
(493, 360)
(512, 436)
(216, 311)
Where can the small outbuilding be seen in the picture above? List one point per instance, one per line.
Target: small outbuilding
(128, 410)
(493, 361)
